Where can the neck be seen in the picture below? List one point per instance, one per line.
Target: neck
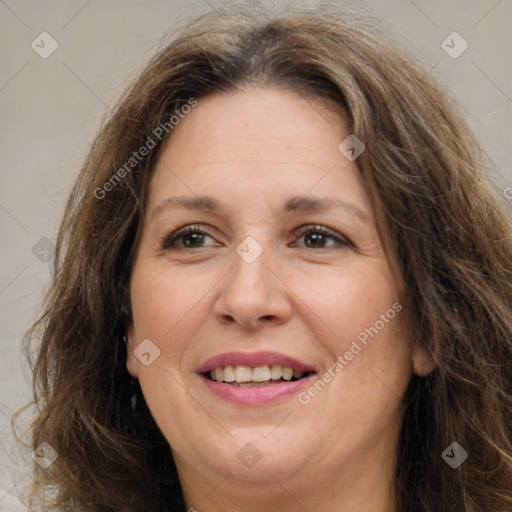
(360, 485)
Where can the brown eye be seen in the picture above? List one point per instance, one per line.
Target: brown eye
(189, 237)
(319, 237)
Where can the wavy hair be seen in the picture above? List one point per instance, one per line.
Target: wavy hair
(443, 223)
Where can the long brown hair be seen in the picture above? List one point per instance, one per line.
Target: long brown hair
(443, 225)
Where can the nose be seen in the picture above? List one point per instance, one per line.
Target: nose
(253, 295)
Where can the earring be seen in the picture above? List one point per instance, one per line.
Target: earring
(134, 397)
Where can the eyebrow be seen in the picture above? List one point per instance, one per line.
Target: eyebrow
(292, 204)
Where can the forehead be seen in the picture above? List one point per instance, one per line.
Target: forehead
(252, 140)
(257, 125)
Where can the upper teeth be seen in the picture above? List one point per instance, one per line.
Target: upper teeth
(241, 373)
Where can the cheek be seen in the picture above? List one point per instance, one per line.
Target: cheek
(165, 303)
(341, 304)
(357, 315)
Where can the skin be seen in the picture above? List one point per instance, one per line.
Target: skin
(251, 150)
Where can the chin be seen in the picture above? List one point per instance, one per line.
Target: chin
(256, 457)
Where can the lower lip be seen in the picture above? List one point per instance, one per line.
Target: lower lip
(254, 396)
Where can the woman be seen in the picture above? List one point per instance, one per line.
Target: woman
(282, 282)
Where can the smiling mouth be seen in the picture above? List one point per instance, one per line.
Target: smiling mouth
(258, 376)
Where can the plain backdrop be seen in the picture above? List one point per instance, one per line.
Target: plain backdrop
(52, 107)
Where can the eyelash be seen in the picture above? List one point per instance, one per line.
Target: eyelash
(169, 239)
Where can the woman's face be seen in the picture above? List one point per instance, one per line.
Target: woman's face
(281, 272)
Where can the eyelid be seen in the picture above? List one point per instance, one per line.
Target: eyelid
(343, 240)
(169, 238)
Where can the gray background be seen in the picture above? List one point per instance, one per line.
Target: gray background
(51, 108)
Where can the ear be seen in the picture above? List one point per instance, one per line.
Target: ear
(132, 363)
(422, 365)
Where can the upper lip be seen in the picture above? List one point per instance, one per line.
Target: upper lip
(253, 359)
